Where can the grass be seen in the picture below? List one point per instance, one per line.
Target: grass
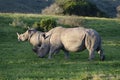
(18, 62)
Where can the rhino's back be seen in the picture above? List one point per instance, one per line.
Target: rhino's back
(35, 39)
(55, 36)
(73, 39)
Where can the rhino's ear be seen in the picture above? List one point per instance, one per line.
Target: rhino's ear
(31, 31)
(45, 36)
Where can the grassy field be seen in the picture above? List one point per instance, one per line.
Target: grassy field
(18, 62)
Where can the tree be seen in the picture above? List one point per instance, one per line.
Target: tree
(73, 7)
(54, 9)
(81, 8)
(118, 11)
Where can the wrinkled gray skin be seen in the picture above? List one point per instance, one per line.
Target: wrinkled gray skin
(33, 36)
(71, 40)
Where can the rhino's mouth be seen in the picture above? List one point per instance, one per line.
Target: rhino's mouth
(19, 40)
(41, 56)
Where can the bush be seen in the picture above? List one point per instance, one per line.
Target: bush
(45, 24)
(73, 7)
(54, 9)
(18, 23)
(118, 11)
(72, 21)
(81, 8)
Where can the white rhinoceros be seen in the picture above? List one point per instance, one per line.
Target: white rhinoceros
(70, 40)
(33, 36)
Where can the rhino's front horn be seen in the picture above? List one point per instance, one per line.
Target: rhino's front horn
(18, 34)
(28, 27)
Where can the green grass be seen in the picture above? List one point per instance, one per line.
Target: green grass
(18, 62)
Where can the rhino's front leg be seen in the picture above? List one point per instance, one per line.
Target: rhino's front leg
(66, 54)
(51, 52)
(50, 55)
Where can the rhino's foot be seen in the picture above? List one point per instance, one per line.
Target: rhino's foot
(49, 57)
(67, 57)
(41, 57)
(102, 58)
(90, 59)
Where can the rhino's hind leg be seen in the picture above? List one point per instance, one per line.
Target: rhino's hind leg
(91, 54)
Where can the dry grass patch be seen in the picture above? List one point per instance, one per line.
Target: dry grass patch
(71, 21)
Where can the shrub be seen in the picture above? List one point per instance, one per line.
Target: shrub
(54, 9)
(72, 21)
(73, 7)
(81, 8)
(18, 23)
(45, 24)
(118, 11)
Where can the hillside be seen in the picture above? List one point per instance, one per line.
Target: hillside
(107, 6)
(23, 6)
(35, 6)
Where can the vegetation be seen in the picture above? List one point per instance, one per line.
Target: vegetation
(118, 10)
(107, 6)
(18, 23)
(45, 24)
(74, 7)
(18, 62)
(54, 9)
(24, 6)
(36, 6)
(71, 21)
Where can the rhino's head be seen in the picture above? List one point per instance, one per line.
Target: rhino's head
(43, 50)
(26, 35)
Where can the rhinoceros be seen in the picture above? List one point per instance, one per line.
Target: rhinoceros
(33, 36)
(70, 40)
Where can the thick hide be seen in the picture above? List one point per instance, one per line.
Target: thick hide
(73, 40)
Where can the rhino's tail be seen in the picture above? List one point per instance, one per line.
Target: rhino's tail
(101, 53)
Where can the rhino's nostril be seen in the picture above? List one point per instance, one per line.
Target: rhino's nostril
(41, 56)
